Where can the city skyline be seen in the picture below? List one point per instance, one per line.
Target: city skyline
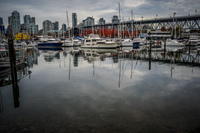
(97, 9)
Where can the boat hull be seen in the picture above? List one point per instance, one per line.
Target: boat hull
(49, 44)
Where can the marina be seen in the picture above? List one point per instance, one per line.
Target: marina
(100, 66)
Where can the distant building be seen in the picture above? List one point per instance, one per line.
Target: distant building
(1, 21)
(37, 29)
(32, 29)
(55, 25)
(115, 19)
(47, 26)
(74, 20)
(23, 30)
(1, 25)
(16, 26)
(10, 20)
(64, 27)
(102, 21)
(89, 21)
(33, 20)
(27, 22)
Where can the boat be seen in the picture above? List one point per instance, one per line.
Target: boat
(127, 43)
(94, 41)
(193, 41)
(67, 43)
(76, 42)
(48, 41)
(173, 43)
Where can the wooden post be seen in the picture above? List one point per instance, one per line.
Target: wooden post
(164, 47)
(150, 54)
(13, 71)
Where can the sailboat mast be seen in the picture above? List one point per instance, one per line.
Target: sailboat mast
(119, 20)
(68, 24)
(132, 22)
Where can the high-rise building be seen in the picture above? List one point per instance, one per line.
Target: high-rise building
(55, 25)
(10, 20)
(47, 26)
(1, 21)
(1, 26)
(32, 29)
(89, 21)
(33, 20)
(64, 27)
(16, 26)
(37, 28)
(102, 21)
(74, 20)
(27, 22)
(115, 19)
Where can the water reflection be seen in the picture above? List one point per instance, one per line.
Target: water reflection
(97, 90)
(6, 79)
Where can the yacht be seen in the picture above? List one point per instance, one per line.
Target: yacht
(48, 41)
(193, 41)
(94, 41)
(127, 43)
(173, 43)
(67, 43)
(76, 42)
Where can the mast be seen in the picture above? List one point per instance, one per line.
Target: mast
(119, 25)
(132, 21)
(68, 24)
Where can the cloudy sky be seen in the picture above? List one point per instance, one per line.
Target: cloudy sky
(55, 10)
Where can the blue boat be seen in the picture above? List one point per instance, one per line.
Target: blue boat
(48, 41)
(136, 45)
(50, 44)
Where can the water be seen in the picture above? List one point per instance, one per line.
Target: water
(71, 91)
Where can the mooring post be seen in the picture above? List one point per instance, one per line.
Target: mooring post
(13, 71)
(150, 54)
(164, 47)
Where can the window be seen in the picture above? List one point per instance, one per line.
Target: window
(87, 40)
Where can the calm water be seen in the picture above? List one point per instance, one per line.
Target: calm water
(82, 91)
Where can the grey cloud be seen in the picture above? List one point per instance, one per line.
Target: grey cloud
(56, 10)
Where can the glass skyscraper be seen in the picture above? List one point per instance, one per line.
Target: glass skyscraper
(74, 20)
(47, 26)
(16, 26)
(27, 22)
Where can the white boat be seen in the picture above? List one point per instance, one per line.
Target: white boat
(48, 41)
(127, 43)
(140, 41)
(94, 41)
(173, 43)
(67, 43)
(193, 41)
(76, 42)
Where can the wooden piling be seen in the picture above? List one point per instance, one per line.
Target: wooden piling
(150, 54)
(164, 48)
(13, 72)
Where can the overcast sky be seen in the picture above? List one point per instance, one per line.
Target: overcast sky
(55, 10)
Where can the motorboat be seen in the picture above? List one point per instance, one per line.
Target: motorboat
(67, 43)
(173, 43)
(193, 41)
(94, 41)
(127, 43)
(76, 42)
(48, 41)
